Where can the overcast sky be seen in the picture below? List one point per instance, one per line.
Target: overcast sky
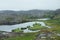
(29, 4)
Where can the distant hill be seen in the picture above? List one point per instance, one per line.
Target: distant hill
(10, 16)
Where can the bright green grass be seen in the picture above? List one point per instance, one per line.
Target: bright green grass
(55, 24)
(36, 26)
(27, 36)
(16, 30)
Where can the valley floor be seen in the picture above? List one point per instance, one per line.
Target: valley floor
(52, 33)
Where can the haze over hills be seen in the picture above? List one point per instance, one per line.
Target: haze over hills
(10, 16)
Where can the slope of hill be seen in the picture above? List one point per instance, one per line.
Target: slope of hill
(11, 17)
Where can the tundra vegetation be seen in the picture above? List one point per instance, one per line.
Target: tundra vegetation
(9, 17)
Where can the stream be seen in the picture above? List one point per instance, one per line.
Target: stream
(9, 28)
